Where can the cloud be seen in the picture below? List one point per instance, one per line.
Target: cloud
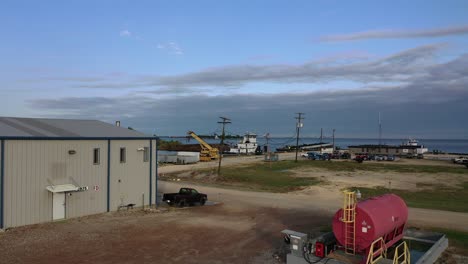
(125, 33)
(412, 109)
(171, 47)
(394, 33)
(355, 66)
(416, 94)
(396, 67)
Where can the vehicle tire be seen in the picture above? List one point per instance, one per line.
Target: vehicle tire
(181, 203)
(202, 201)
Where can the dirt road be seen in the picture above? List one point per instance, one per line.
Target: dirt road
(227, 161)
(318, 201)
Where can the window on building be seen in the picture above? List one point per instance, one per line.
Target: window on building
(123, 157)
(397, 150)
(96, 156)
(386, 150)
(146, 154)
(362, 150)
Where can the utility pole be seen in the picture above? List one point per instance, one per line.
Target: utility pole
(380, 134)
(224, 122)
(268, 154)
(321, 135)
(298, 128)
(333, 139)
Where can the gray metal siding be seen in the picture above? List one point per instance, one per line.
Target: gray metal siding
(2, 142)
(154, 172)
(85, 173)
(129, 180)
(30, 166)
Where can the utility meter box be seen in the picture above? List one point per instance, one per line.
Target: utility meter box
(296, 241)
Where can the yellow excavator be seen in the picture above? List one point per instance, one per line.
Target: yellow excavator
(207, 152)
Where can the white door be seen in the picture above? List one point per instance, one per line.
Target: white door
(58, 206)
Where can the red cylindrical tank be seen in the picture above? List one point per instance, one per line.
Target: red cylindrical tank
(381, 216)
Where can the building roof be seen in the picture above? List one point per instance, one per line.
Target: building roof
(372, 146)
(14, 127)
(386, 146)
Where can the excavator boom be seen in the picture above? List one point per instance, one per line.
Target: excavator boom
(207, 152)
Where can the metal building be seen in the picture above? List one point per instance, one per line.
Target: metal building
(52, 169)
(178, 157)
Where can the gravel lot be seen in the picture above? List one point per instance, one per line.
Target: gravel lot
(209, 234)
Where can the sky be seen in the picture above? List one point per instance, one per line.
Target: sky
(166, 67)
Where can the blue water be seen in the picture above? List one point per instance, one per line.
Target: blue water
(445, 145)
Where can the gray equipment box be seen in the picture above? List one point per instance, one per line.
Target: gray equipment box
(297, 241)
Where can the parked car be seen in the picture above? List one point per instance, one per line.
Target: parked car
(460, 160)
(185, 196)
(379, 158)
(304, 155)
(314, 156)
(391, 158)
(360, 158)
(345, 155)
(420, 156)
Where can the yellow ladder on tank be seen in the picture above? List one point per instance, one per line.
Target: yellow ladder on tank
(349, 217)
(402, 254)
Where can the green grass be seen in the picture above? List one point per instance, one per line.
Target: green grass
(279, 177)
(377, 166)
(274, 177)
(441, 198)
(351, 166)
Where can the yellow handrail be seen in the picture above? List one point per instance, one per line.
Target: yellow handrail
(380, 252)
(397, 258)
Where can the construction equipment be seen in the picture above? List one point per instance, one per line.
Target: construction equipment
(207, 152)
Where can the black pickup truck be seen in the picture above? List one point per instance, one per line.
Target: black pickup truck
(185, 196)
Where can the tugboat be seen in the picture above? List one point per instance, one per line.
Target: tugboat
(248, 145)
(412, 143)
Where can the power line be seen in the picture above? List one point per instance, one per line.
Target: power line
(224, 122)
(298, 128)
